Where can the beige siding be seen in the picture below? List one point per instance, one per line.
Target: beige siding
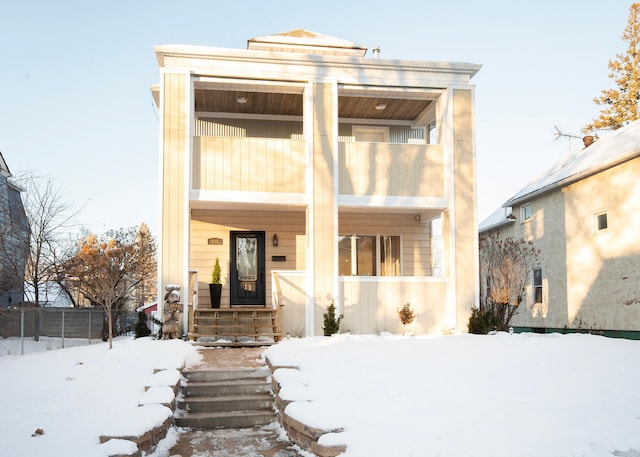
(248, 164)
(391, 169)
(415, 236)
(173, 185)
(372, 306)
(294, 299)
(248, 128)
(288, 225)
(466, 247)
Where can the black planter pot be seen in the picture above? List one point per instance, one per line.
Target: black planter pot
(215, 290)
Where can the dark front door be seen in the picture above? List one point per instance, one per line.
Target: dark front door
(247, 269)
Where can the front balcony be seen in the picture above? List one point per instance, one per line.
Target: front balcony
(384, 169)
(248, 164)
(275, 165)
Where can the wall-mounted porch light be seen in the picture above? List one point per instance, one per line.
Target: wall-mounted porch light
(275, 240)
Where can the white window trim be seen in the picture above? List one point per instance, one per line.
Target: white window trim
(533, 286)
(523, 211)
(597, 214)
(354, 253)
(364, 129)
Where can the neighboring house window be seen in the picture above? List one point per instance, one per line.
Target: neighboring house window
(369, 255)
(601, 221)
(537, 286)
(526, 212)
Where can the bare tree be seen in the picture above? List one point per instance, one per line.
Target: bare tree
(107, 270)
(48, 217)
(505, 267)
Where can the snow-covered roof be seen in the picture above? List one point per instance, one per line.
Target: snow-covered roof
(617, 147)
(146, 306)
(301, 40)
(501, 216)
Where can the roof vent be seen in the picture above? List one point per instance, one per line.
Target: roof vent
(376, 52)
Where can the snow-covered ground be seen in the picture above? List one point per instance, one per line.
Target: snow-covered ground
(59, 402)
(467, 395)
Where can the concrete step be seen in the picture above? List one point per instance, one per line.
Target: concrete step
(224, 419)
(222, 388)
(226, 375)
(227, 403)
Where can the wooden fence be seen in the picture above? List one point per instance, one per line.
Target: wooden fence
(61, 322)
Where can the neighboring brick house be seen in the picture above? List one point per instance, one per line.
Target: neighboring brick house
(584, 216)
(14, 238)
(314, 172)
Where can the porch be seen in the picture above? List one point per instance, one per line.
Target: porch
(367, 304)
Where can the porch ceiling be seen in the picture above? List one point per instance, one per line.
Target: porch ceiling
(290, 104)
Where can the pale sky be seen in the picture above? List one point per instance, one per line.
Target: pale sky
(75, 102)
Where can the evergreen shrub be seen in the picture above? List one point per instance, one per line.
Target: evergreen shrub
(141, 329)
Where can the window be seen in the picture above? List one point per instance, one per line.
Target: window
(432, 133)
(369, 255)
(389, 255)
(601, 221)
(537, 286)
(525, 212)
(371, 134)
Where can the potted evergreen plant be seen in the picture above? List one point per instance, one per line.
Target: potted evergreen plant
(215, 287)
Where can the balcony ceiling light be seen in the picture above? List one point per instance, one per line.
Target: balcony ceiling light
(380, 106)
(242, 100)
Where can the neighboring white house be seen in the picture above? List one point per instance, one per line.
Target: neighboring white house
(584, 216)
(51, 295)
(314, 173)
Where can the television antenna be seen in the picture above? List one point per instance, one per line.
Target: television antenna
(560, 134)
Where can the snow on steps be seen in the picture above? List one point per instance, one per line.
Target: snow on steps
(301, 434)
(225, 399)
(160, 392)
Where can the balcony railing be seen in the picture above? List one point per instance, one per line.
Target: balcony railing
(278, 165)
(383, 169)
(248, 164)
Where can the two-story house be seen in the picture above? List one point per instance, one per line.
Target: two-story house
(14, 239)
(314, 171)
(583, 214)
